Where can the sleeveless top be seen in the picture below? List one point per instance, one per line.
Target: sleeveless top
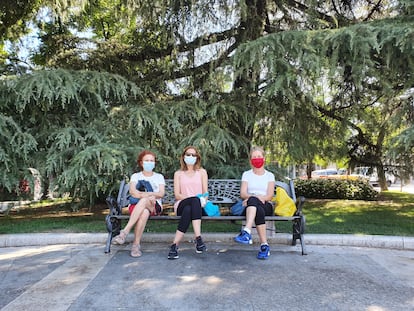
(190, 186)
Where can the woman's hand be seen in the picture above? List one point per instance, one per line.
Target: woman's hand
(260, 197)
(152, 199)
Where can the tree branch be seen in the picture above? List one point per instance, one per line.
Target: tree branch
(191, 71)
(152, 53)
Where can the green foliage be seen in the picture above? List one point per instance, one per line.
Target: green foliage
(309, 81)
(13, 14)
(16, 147)
(335, 189)
(69, 91)
(61, 123)
(401, 151)
(86, 129)
(341, 82)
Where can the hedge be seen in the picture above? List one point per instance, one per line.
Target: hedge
(335, 189)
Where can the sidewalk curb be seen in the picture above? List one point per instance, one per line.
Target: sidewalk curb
(369, 241)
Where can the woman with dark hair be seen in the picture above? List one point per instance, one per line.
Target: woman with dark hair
(146, 189)
(189, 182)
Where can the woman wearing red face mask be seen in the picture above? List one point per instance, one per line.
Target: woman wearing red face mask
(257, 190)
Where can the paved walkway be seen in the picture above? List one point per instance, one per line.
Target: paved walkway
(73, 273)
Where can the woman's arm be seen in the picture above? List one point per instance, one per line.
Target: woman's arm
(144, 194)
(267, 197)
(177, 190)
(134, 192)
(204, 180)
(243, 190)
(270, 192)
(160, 193)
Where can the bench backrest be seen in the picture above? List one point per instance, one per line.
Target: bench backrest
(221, 191)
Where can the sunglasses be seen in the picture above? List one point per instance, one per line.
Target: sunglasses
(190, 154)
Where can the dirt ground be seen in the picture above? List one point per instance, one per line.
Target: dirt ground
(57, 211)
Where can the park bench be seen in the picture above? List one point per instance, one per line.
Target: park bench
(223, 192)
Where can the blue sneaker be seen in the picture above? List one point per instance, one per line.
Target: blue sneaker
(244, 238)
(264, 252)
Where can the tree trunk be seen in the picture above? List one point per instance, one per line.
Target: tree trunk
(382, 180)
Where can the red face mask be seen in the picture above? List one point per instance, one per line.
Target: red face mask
(257, 162)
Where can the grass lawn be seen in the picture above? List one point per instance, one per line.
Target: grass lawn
(392, 214)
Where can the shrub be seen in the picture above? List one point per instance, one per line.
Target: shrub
(335, 189)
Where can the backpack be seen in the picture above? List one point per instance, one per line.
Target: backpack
(143, 186)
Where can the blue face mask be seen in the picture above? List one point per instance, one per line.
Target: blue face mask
(148, 166)
(190, 160)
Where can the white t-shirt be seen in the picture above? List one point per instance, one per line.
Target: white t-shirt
(257, 184)
(156, 179)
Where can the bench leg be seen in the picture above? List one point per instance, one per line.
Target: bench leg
(295, 231)
(113, 225)
(298, 233)
(301, 234)
(108, 243)
(302, 243)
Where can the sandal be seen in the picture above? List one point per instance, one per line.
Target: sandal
(120, 239)
(136, 250)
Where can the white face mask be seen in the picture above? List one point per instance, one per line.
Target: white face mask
(148, 166)
(190, 160)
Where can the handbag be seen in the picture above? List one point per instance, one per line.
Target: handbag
(237, 209)
(285, 206)
(212, 209)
